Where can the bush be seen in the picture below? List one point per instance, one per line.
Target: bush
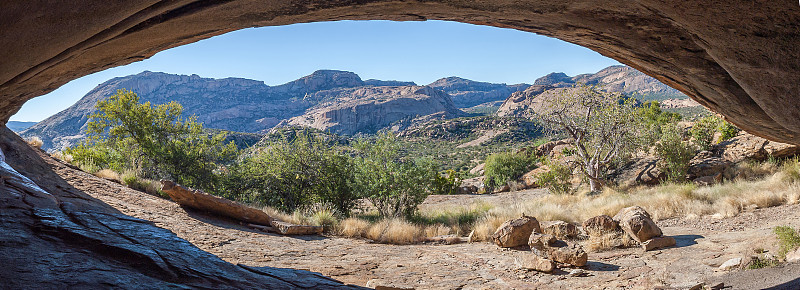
(394, 186)
(35, 142)
(557, 178)
(294, 174)
(675, 153)
(727, 130)
(788, 240)
(446, 182)
(703, 131)
(501, 168)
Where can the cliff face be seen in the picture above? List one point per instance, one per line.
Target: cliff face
(369, 109)
(614, 78)
(467, 93)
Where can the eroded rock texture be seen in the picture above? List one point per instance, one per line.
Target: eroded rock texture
(53, 235)
(737, 57)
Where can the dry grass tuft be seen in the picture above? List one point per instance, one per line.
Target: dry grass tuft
(353, 228)
(108, 174)
(395, 231)
(61, 156)
(35, 142)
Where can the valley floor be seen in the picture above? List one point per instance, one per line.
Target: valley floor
(703, 244)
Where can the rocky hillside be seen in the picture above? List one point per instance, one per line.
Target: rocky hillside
(236, 104)
(18, 126)
(369, 109)
(467, 93)
(622, 79)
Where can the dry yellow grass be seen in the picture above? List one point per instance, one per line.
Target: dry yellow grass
(395, 231)
(108, 174)
(35, 142)
(353, 228)
(61, 156)
(608, 241)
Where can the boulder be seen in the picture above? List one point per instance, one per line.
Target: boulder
(560, 229)
(600, 225)
(636, 222)
(705, 164)
(568, 253)
(549, 147)
(528, 180)
(547, 246)
(708, 180)
(516, 232)
(639, 171)
(745, 146)
(658, 242)
(534, 262)
(540, 243)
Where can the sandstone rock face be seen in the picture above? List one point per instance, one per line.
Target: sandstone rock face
(467, 93)
(705, 164)
(639, 171)
(748, 147)
(368, 109)
(47, 223)
(533, 262)
(636, 222)
(600, 225)
(515, 232)
(560, 229)
(715, 54)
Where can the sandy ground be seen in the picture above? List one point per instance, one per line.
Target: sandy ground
(703, 244)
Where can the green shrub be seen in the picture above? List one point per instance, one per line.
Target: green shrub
(556, 178)
(446, 182)
(292, 175)
(703, 131)
(674, 153)
(788, 240)
(150, 187)
(503, 167)
(727, 130)
(395, 186)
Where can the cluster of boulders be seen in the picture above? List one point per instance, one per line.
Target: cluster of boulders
(554, 243)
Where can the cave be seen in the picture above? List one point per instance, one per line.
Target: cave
(737, 58)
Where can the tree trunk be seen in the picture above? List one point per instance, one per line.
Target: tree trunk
(592, 170)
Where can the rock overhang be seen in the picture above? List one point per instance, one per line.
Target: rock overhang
(737, 58)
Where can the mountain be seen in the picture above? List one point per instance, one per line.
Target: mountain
(622, 79)
(242, 105)
(369, 109)
(467, 93)
(19, 126)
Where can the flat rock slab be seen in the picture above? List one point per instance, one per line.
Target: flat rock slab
(658, 242)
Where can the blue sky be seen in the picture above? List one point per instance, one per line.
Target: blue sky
(409, 51)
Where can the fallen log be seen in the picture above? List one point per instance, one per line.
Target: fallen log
(291, 229)
(204, 201)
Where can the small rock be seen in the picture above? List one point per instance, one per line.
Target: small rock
(533, 262)
(578, 273)
(540, 243)
(380, 284)
(730, 264)
(600, 225)
(658, 242)
(471, 237)
(560, 229)
(636, 222)
(793, 255)
(516, 232)
(698, 286)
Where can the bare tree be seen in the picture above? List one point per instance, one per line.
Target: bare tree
(603, 125)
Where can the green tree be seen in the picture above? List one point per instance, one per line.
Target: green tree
(606, 127)
(500, 168)
(556, 178)
(295, 172)
(155, 141)
(394, 186)
(674, 152)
